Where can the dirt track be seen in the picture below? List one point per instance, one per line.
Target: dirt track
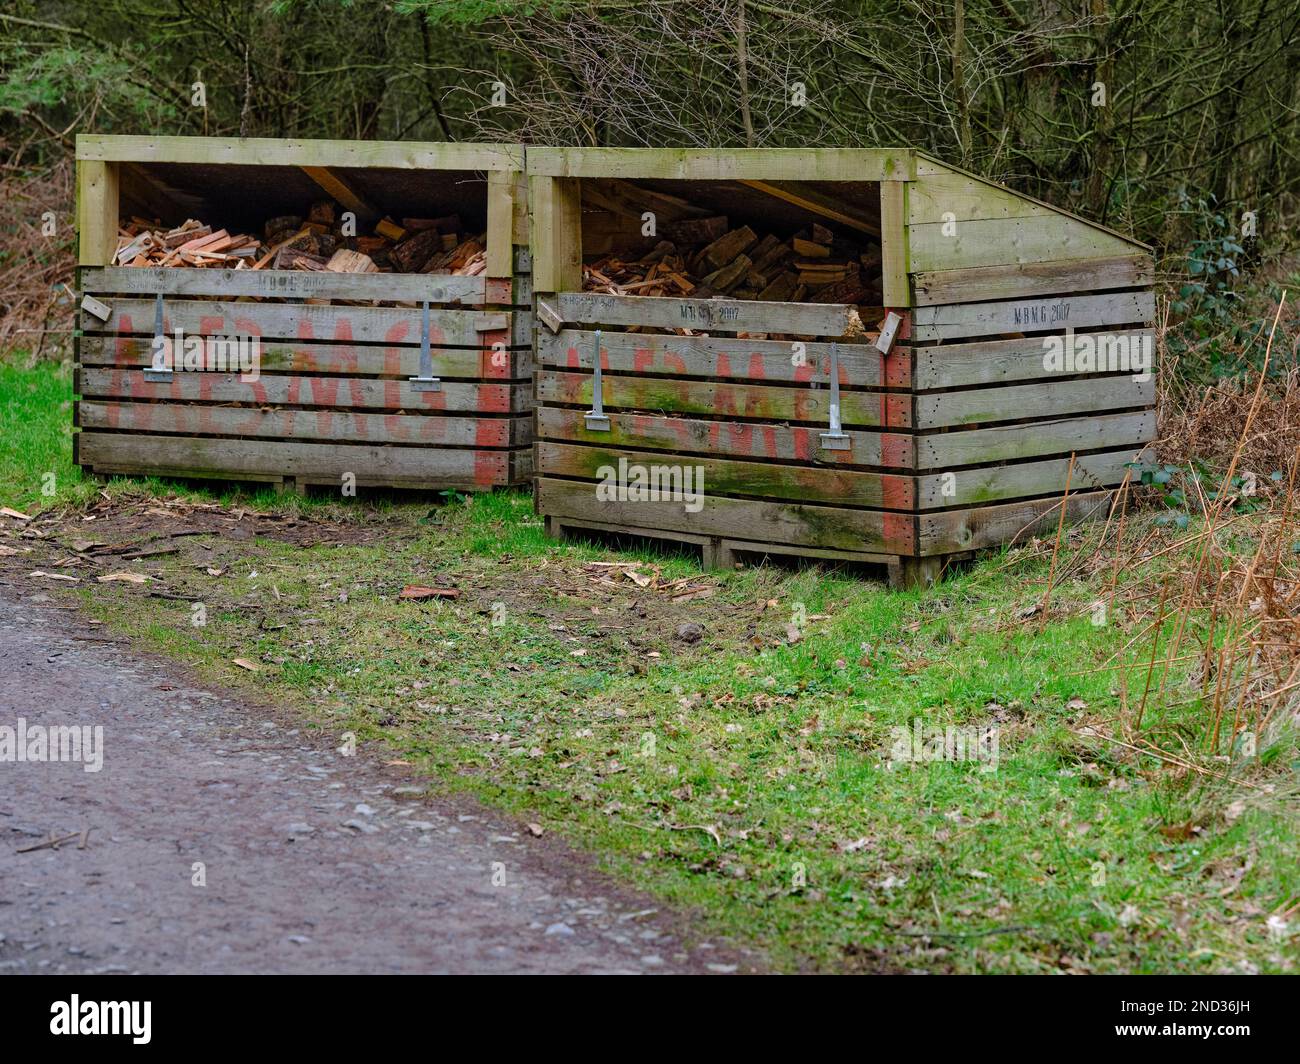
(314, 862)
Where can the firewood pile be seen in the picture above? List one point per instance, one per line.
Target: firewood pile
(705, 257)
(316, 242)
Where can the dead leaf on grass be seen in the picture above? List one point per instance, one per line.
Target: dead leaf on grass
(414, 591)
(130, 578)
(244, 663)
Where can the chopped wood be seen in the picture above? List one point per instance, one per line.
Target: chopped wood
(191, 230)
(414, 252)
(322, 213)
(276, 228)
(696, 230)
(725, 249)
(449, 224)
(700, 255)
(315, 242)
(810, 248)
(727, 278)
(344, 261)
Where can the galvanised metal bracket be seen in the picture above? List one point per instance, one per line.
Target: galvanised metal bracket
(426, 381)
(835, 439)
(596, 419)
(158, 372)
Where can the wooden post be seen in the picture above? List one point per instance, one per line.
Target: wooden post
(893, 245)
(556, 208)
(908, 573)
(500, 223)
(97, 195)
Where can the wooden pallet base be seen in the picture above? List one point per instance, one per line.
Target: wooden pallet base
(720, 552)
(299, 464)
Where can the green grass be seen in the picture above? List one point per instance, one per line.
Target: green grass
(769, 802)
(747, 777)
(36, 435)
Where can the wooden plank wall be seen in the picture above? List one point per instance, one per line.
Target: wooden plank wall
(331, 395)
(1000, 284)
(747, 414)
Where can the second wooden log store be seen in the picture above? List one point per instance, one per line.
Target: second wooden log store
(867, 355)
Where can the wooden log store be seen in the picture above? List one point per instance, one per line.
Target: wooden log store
(862, 355)
(331, 312)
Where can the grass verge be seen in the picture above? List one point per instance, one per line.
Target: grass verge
(731, 741)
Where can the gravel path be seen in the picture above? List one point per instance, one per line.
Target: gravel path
(314, 862)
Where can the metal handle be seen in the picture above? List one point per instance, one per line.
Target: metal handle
(834, 439)
(596, 419)
(159, 374)
(426, 381)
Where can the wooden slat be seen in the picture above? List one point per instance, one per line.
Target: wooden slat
(352, 360)
(457, 328)
(325, 463)
(1021, 401)
(340, 191)
(738, 438)
(284, 284)
(840, 557)
(932, 196)
(721, 476)
(718, 356)
(995, 361)
(991, 526)
(348, 426)
(1002, 241)
(949, 450)
(1023, 479)
(728, 315)
(1024, 280)
(1057, 313)
(812, 526)
(629, 202)
(928, 166)
(759, 401)
(714, 164)
(343, 392)
(809, 199)
(292, 151)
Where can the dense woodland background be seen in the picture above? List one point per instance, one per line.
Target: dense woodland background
(1164, 118)
(1200, 98)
